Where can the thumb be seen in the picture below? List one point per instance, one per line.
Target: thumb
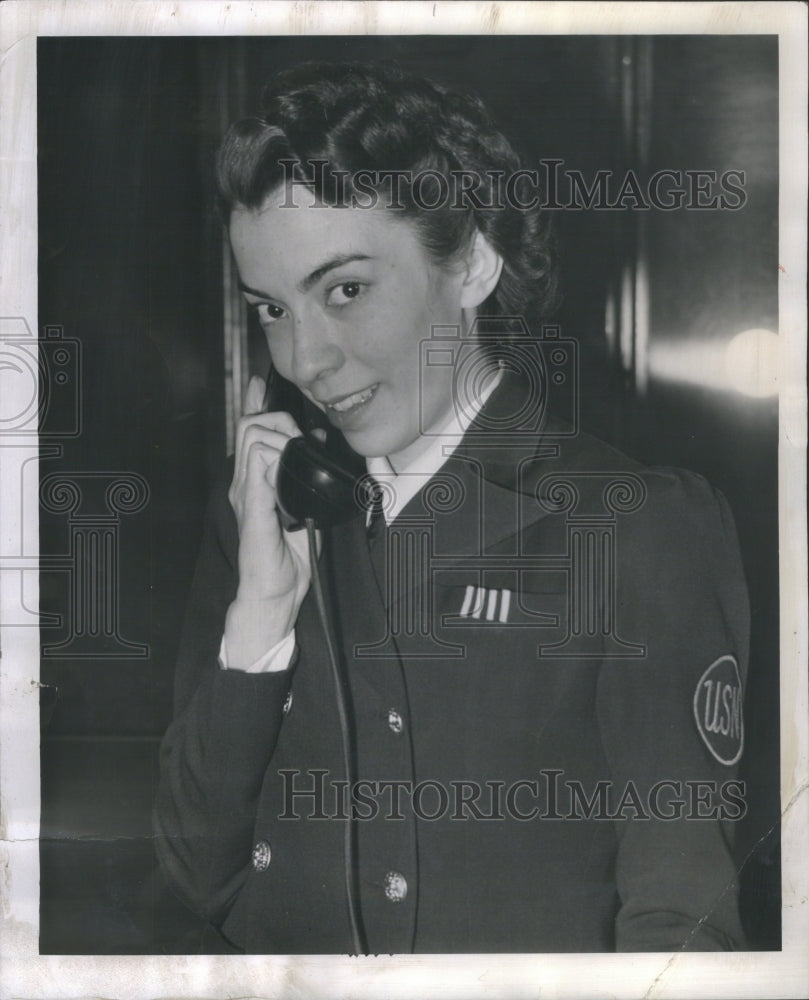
(254, 399)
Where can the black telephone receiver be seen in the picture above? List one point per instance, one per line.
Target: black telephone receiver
(315, 480)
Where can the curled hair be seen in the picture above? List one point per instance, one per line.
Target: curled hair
(337, 120)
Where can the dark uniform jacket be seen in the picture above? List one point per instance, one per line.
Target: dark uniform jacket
(545, 658)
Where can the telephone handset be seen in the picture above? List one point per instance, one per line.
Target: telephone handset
(315, 480)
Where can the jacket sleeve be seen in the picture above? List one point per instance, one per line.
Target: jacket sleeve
(217, 749)
(671, 720)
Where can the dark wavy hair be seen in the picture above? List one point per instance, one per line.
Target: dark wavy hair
(374, 118)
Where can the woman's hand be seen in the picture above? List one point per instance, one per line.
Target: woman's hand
(274, 570)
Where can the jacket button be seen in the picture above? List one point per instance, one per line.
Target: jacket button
(261, 856)
(395, 723)
(395, 887)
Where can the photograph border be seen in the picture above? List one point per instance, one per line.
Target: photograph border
(27, 975)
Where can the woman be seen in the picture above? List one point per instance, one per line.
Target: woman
(532, 739)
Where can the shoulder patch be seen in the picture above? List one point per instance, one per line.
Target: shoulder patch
(718, 710)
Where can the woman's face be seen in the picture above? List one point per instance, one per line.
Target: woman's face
(345, 297)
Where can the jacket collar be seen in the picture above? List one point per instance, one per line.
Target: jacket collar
(513, 431)
(481, 495)
(516, 440)
(491, 489)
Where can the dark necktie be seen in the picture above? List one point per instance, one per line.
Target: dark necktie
(375, 529)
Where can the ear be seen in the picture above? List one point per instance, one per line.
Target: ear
(483, 267)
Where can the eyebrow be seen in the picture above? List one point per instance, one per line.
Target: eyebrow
(314, 276)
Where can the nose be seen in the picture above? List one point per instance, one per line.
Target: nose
(315, 351)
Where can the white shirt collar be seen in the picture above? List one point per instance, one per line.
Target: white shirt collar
(410, 478)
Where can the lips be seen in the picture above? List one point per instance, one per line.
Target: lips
(348, 404)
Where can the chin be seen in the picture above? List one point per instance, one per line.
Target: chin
(375, 444)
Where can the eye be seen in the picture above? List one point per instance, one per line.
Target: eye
(340, 295)
(268, 313)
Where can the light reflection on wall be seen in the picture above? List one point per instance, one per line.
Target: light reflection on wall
(747, 363)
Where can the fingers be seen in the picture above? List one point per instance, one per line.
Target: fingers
(273, 565)
(277, 421)
(259, 449)
(280, 422)
(254, 400)
(274, 429)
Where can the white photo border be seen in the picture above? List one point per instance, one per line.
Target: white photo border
(26, 974)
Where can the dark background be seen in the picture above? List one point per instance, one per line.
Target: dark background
(130, 265)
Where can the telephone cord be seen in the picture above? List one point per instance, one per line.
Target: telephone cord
(349, 839)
